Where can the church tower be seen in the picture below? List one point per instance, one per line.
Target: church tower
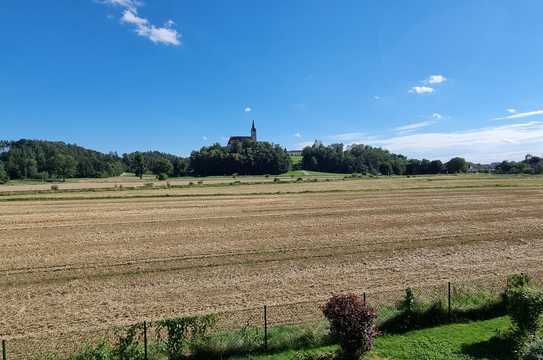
(253, 132)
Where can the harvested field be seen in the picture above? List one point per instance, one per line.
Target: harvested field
(86, 261)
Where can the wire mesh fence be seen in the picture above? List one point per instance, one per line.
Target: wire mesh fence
(258, 329)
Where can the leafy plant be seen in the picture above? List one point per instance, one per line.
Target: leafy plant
(534, 350)
(525, 306)
(182, 333)
(102, 351)
(352, 324)
(518, 280)
(126, 347)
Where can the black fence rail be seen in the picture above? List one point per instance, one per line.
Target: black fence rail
(239, 330)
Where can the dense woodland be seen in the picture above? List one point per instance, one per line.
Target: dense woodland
(371, 160)
(247, 158)
(47, 160)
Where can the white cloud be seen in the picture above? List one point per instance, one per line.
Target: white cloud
(298, 135)
(435, 79)
(248, 109)
(414, 126)
(377, 97)
(421, 90)
(127, 4)
(204, 138)
(511, 111)
(508, 142)
(519, 115)
(129, 17)
(161, 35)
(437, 116)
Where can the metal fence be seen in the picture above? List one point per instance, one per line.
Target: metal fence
(255, 324)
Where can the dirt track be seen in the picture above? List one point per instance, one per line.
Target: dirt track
(79, 264)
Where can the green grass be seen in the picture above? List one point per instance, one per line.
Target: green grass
(449, 342)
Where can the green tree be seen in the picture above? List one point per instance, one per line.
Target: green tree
(139, 164)
(162, 166)
(456, 165)
(64, 166)
(3, 174)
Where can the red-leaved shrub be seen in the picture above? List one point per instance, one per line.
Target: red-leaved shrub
(352, 324)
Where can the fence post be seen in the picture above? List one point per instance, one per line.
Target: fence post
(4, 350)
(265, 328)
(145, 339)
(449, 301)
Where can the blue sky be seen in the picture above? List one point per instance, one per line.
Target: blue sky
(430, 79)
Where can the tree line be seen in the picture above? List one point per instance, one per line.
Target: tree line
(47, 160)
(366, 159)
(530, 165)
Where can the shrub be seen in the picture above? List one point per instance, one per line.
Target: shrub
(183, 333)
(126, 347)
(518, 280)
(54, 187)
(102, 351)
(407, 319)
(534, 350)
(525, 306)
(352, 324)
(276, 180)
(299, 179)
(162, 176)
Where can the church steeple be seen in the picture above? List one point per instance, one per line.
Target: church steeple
(253, 132)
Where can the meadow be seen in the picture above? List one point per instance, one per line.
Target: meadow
(77, 261)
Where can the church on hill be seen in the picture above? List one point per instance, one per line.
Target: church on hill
(236, 139)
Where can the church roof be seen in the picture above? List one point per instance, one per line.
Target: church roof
(239, 139)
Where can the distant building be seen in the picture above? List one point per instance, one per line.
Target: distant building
(236, 139)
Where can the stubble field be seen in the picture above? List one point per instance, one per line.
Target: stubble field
(73, 262)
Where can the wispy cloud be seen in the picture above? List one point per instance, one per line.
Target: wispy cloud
(204, 138)
(165, 34)
(248, 109)
(414, 126)
(377, 97)
(298, 135)
(519, 115)
(508, 142)
(421, 90)
(437, 116)
(435, 79)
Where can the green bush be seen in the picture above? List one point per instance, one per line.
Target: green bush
(162, 177)
(126, 346)
(518, 280)
(102, 351)
(525, 306)
(534, 350)
(182, 334)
